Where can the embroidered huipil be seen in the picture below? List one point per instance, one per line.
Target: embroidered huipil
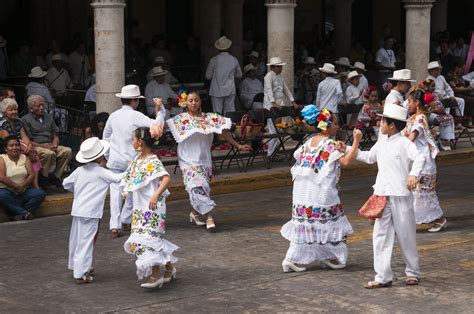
(275, 89)
(329, 94)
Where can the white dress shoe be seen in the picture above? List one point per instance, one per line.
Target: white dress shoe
(332, 265)
(195, 219)
(289, 266)
(150, 285)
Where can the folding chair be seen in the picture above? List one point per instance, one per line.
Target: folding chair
(367, 132)
(282, 136)
(463, 120)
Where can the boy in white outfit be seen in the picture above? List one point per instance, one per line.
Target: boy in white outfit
(399, 163)
(89, 184)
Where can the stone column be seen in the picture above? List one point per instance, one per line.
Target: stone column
(280, 35)
(342, 27)
(211, 23)
(233, 28)
(418, 36)
(439, 16)
(109, 52)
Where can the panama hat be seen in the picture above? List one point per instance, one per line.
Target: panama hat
(36, 72)
(344, 61)
(130, 92)
(91, 149)
(56, 57)
(403, 75)
(359, 66)
(309, 60)
(434, 65)
(352, 74)
(223, 43)
(159, 59)
(394, 111)
(158, 71)
(275, 61)
(249, 67)
(253, 54)
(328, 68)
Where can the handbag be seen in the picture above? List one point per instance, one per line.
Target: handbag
(374, 207)
(247, 130)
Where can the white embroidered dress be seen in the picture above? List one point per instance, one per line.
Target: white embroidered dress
(318, 228)
(146, 239)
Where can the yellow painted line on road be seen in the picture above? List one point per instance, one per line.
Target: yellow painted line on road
(467, 263)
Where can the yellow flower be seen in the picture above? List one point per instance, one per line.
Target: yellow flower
(149, 167)
(132, 247)
(325, 111)
(322, 125)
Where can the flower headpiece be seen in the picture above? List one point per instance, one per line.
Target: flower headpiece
(182, 98)
(425, 85)
(367, 92)
(312, 115)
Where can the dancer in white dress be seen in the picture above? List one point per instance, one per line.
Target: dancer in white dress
(318, 228)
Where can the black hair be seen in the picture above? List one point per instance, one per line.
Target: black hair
(419, 94)
(126, 101)
(144, 135)
(3, 91)
(193, 91)
(100, 117)
(399, 125)
(8, 139)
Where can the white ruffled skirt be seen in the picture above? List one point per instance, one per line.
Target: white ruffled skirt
(197, 182)
(426, 203)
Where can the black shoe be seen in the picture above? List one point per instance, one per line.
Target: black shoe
(43, 182)
(55, 181)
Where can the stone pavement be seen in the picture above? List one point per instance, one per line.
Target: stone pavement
(237, 269)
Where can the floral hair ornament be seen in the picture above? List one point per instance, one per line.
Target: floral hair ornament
(182, 98)
(324, 119)
(310, 114)
(367, 92)
(428, 98)
(425, 85)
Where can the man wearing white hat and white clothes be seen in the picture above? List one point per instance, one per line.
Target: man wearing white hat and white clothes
(249, 87)
(259, 65)
(443, 89)
(158, 88)
(118, 132)
(329, 93)
(36, 86)
(354, 95)
(399, 164)
(222, 70)
(403, 80)
(57, 77)
(89, 184)
(385, 60)
(160, 61)
(360, 68)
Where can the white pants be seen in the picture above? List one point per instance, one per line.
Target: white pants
(119, 215)
(81, 244)
(398, 218)
(274, 142)
(221, 105)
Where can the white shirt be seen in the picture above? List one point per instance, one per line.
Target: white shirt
(155, 90)
(35, 88)
(469, 77)
(118, 132)
(385, 57)
(443, 90)
(79, 73)
(59, 80)
(248, 88)
(196, 151)
(169, 77)
(275, 88)
(48, 61)
(363, 82)
(353, 95)
(395, 97)
(91, 94)
(90, 184)
(397, 158)
(222, 70)
(460, 53)
(329, 94)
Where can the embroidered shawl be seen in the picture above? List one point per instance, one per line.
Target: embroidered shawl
(184, 125)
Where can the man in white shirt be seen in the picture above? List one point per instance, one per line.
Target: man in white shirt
(360, 68)
(354, 95)
(402, 80)
(91, 93)
(80, 66)
(222, 70)
(36, 86)
(57, 77)
(329, 93)
(118, 132)
(250, 87)
(460, 50)
(161, 62)
(385, 59)
(158, 88)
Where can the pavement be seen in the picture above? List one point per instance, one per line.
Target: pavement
(238, 268)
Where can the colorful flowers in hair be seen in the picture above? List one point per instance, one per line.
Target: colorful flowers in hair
(367, 92)
(310, 114)
(182, 98)
(428, 98)
(424, 85)
(324, 119)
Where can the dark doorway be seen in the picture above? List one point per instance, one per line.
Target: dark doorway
(179, 19)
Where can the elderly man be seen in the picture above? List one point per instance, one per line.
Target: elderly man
(250, 87)
(43, 133)
(118, 131)
(222, 70)
(36, 85)
(57, 77)
(161, 62)
(158, 88)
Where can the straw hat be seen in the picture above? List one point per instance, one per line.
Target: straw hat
(91, 149)
(434, 65)
(359, 66)
(36, 72)
(56, 57)
(223, 43)
(328, 68)
(159, 59)
(352, 74)
(394, 111)
(309, 60)
(403, 75)
(275, 61)
(249, 67)
(158, 71)
(344, 61)
(253, 54)
(130, 92)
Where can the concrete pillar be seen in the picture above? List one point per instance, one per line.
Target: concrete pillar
(280, 35)
(210, 28)
(418, 36)
(109, 52)
(342, 27)
(233, 28)
(439, 16)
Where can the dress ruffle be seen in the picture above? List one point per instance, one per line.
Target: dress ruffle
(197, 184)
(426, 206)
(184, 125)
(308, 253)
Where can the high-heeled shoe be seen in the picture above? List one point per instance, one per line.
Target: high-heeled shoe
(210, 224)
(195, 219)
(332, 265)
(157, 283)
(289, 266)
(172, 277)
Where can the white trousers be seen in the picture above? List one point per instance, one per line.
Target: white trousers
(398, 218)
(119, 215)
(81, 244)
(222, 105)
(274, 142)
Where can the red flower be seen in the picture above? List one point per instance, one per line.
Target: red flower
(325, 156)
(185, 121)
(320, 117)
(308, 211)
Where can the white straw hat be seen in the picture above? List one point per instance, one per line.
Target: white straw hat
(253, 54)
(394, 111)
(130, 92)
(249, 67)
(309, 60)
(275, 61)
(403, 75)
(223, 43)
(56, 57)
(328, 68)
(158, 71)
(159, 59)
(352, 74)
(36, 72)
(434, 65)
(344, 61)
(359, 66)
(91, 149)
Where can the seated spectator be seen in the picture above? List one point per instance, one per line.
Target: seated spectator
(54, 50)
(36, 85)
(96, 126)
(354, 95)
(16, 176)
(161, 62)
(360, 68)
(158, 88)
(460, 49)
(10, 125)
(254, 59)
(57, 77)
(6, 92)
(43, 133)
(309, 80)
(462, 89)
(445, 58)
(250, 87)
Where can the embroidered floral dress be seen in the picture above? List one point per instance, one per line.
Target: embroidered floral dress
(318, 228)
(426, 203)
(146, 240)
(445, 121)
(194, 136)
